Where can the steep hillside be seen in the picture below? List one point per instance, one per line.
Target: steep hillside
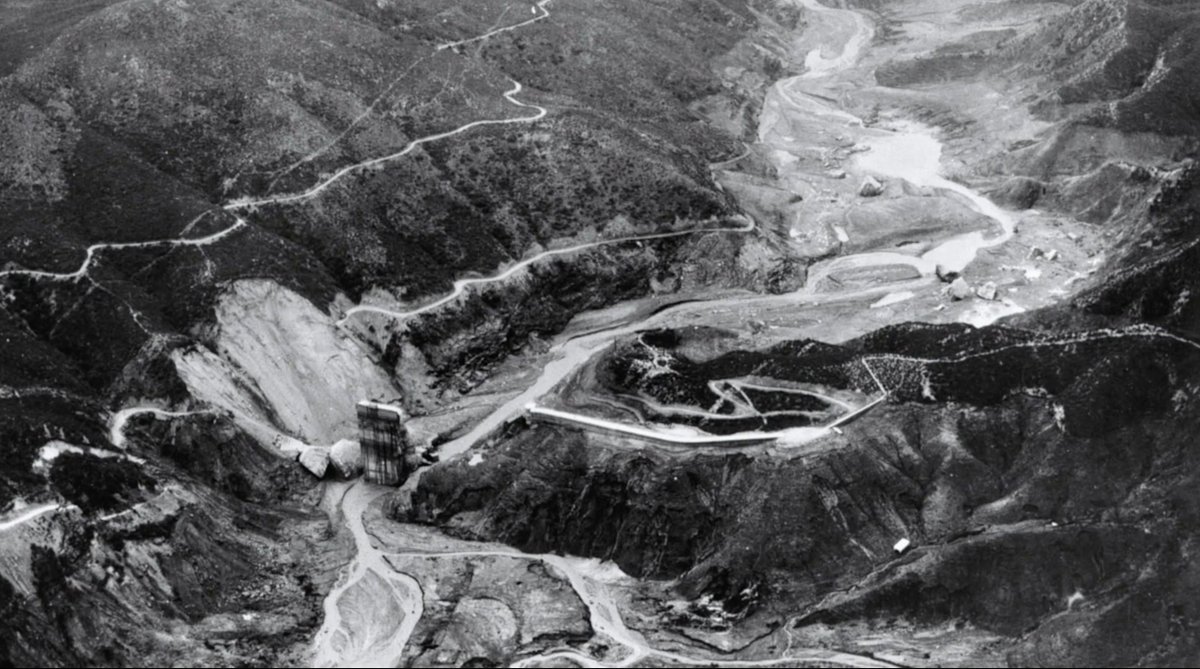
(1133, 62)
(129, 128)
(933, 261)
(193, 195)
(1032, 471)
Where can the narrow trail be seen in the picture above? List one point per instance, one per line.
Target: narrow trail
(370, 615)
(461, 285)
(794, 391)
(569, 354)
(367, 113)
(668, 410)
(732, 391)
(1141, 331)
(672, 437)
(323, 185)
(95, 249)
(539, 7)
(314, 191)
(29, 515)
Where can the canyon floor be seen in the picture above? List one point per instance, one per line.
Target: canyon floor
(691, 339)
(888, 257)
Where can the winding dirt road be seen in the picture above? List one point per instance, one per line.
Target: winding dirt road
(539, 7)
(28, 515)
(323, 185)
(461, 285)
(334, 641)
(95, 249)
(371, 613)
(891, 157)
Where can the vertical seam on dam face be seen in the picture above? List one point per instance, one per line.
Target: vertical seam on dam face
(384, 442)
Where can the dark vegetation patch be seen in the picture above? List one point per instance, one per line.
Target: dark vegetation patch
(27, 362)
(27, 27)
(766, 400)
(552, 293)
(99, 484)
(212, 450)
(644, 534)
(1152, 277)
(26, 424)
(473, 204)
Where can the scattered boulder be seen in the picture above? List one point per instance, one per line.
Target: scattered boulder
(757, 326)
(836, 174)
(346, 456)
(959, 289)
(987, 291)
(945, 275)
(316, 460)
(871, 187)
(1038, 252)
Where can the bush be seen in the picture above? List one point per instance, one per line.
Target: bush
(98, 484)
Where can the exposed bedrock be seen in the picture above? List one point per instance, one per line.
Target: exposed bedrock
(202, 543)
(277, 361)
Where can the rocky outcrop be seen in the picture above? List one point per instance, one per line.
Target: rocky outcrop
(870, 187)
(202, 532)
(347, 457)
(1018, 193)
(958, 289)
(1152, 277)
(315, 459)
(1132, 60)
(485, 609)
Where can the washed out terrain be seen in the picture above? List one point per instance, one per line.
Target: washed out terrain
(740, 333)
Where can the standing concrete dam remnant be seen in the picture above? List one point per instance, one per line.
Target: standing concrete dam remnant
(384, 439)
